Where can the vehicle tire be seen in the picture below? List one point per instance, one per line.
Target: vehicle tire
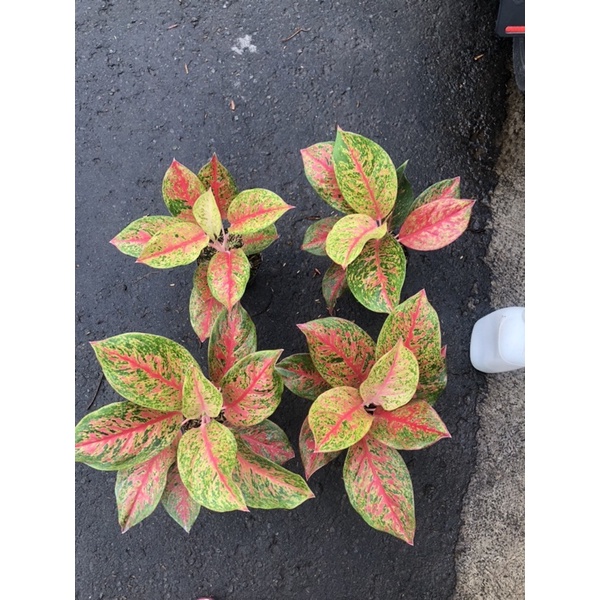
(519, 61)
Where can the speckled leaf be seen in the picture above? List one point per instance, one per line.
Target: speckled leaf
(316, 236)
(206, 458)
(178, 502)
(318, 168)
(252, 388)
(215, 176)
(334, 284)
(207, 215)
(265, 484)
(349, 235)
(233, 337)
(301, 377)
(204, 307)
(380, 489)
(200, 396)
(436, 224)
(253, 210)
(393, 379)
(228, 274)
(123, 434)
(365, 173)
(136, 235)
(404, 198)
(138, 489)
(176, 244)
(253, 243)
(413, 426)
(340, 350)
(311, 460)
(181, 188)
(144, 368)
(267, 439)
(447, 188)
(376, 276)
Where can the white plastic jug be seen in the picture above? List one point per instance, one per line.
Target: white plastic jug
(498, 341)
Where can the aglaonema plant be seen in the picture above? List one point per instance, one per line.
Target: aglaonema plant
(357, 177)
(186, 440)
(372, 399)
(212, 224)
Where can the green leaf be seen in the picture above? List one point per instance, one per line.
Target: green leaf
(393, 379)
(447, 188)
(266, 439)
(145, 369)
(178, 502)
(254, 243)
(207, 215)
(413, 426)
(338, 419)
(200, 396)
(380, 489)
(340, 350)
(252, 388)
(435, 225)
(376, 276)
(215, 176)
(349, 235)
(316, 236)
(123, 434)
(206, 458)
(312, 460)
(228, 274)
(334, 284)
(176, 244)
(318, 168)
(404, 198)
(266, 484)
(136, 235)
(365, 173)
(138, 489)
(233, 337)
(204, 307)
(301, 377)
(253, 210)
(181, 188)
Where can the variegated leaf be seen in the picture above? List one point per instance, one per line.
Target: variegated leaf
(204, 307)
(253, 210)
(207, 215)
(206, 458)
(404, 199)
(252, 388)
(316, 235)
(144, 368)
(301, 377)
(311, 460)
(349, 235)
(265, 484)
(254, 243)
(338, 419)
(380, 489)
(334, 284)
(138, 489)
(436, 224)
(318, 168)
(447, 188)
(376, 276)
(176, 244)
(178, 502)
(200, 396)
(136, 235)
(365, 174)
(181, 188)
(340, 350)
(228, 274)
(393, 379)
(233, 337)
(215, 176)
(413, 426)
(267, 439)
(123, 434)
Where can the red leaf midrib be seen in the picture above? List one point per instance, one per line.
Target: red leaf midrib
(343, 417)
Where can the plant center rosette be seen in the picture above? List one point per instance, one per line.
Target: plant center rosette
(372, 399)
